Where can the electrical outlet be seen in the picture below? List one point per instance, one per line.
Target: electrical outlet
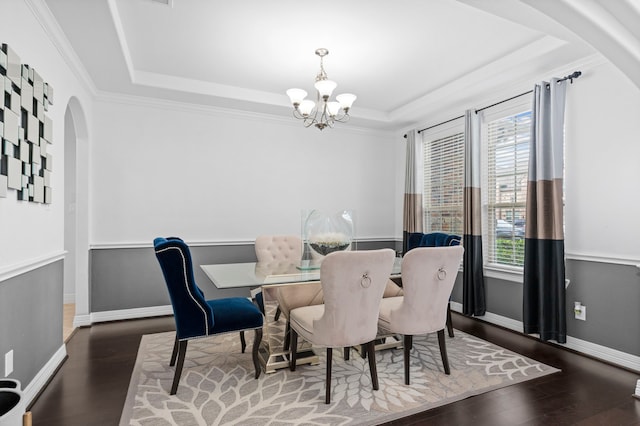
(8, 363)
(580, 312)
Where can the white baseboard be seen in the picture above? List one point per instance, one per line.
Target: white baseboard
(82, 320)
(46, 372)
(597, 351)
(154, 311)
(604, 353)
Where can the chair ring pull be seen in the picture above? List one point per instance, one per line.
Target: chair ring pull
(442, 274)
(365, 281)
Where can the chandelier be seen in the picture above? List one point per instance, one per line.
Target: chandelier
(323, 112)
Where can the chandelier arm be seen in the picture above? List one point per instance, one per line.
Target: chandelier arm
(324, 117)
(342, 118)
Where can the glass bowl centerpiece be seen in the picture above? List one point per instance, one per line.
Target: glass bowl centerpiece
(325, 233)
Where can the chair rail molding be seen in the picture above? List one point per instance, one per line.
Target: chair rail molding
(16, 269)
(603, 258)
(206, 243)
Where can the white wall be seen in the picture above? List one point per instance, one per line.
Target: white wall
(30, 231)
(603, 166)
(205, 175)
(161, 168)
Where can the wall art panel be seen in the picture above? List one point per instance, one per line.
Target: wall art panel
(25, 130)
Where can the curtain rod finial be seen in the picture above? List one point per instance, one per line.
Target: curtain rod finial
(575, 74)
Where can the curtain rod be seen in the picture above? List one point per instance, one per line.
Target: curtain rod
(569, 77)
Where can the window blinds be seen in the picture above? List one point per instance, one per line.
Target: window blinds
(444, 181)
(508, 159)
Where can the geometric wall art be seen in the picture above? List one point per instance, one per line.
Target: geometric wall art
(25, 130)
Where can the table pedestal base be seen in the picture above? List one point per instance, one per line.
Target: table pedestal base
(272, 362)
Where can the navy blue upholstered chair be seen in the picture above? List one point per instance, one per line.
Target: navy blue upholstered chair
(195, 316)
(434, 239)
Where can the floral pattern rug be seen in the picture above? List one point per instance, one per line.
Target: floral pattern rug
(218, 386)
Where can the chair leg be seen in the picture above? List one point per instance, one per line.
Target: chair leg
(276, 317)
(174, 353)
(256, 348)
(443, 351)
(327, 394)
(182, 350)
(242, 341)
(408, 344)
(347, 353)
(449, 322)
(363, 351)
(294, 352)
(371, 354)
(287, 336)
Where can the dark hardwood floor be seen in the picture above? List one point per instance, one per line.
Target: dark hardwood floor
(91, 385)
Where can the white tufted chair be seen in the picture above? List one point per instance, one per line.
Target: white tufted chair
(428, 275)
(278, 252)
(278, 249)
(353, 283)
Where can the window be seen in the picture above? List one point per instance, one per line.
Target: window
(506, 135)
(444, 179)
(507, 146)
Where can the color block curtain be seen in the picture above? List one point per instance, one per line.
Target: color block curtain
(473, 292)
(544, 269)
(413, 187)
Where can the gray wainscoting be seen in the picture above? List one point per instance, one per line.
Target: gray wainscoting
(129, 278)
(611, 293)
(31, 320)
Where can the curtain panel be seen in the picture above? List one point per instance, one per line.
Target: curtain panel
(413, 215)
(544, 307)
(473, 291)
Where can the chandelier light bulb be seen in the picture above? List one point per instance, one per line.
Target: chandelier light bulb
(306, 106)
(325, 88)
(346, 100)
(333, 108)
(296, 96)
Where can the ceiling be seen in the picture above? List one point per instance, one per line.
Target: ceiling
(405, 60)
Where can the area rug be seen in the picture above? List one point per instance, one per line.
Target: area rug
(218, 385)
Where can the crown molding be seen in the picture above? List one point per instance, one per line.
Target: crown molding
(171, 105)
(509, 89)
(47, 21)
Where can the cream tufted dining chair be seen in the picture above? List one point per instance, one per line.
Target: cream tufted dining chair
(353, 283)
(428, 276)
(278, 251)
(278, 248)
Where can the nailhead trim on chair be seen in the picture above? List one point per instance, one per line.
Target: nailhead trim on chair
(186, 283)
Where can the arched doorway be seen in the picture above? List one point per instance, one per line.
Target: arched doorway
(76, 215)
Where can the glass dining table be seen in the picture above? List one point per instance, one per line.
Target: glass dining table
(270, 278)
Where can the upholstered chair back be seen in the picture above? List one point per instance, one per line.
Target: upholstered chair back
(353, 283)
(278, 248)
(428, 276)
(193, 315)
(432, 239)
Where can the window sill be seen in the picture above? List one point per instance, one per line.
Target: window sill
(506, 273)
